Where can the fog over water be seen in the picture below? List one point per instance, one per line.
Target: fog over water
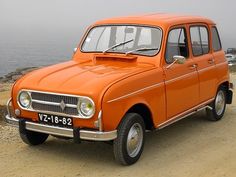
(38, 33)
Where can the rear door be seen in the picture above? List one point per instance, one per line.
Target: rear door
(219, 57)
(202, 56)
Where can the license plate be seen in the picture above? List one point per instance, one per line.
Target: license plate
(55, 120)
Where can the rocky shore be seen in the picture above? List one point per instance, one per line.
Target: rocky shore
(13, 76)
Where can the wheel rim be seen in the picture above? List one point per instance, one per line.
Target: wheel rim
(220, 102)
(134, 140)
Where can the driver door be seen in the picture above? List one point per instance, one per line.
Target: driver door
(181, 80)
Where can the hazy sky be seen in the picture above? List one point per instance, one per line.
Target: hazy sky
(62, 18)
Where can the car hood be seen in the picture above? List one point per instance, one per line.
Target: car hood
(81, 78)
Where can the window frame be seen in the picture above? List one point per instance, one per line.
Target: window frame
(207, 28)
(217, 32)
(120, 24)
(186, 34)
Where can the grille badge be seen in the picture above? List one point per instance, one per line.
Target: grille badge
(62, 105)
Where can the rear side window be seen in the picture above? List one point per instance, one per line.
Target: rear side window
(199, 40)
(176, 44)
(216, 44)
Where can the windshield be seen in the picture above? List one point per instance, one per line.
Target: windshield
(123, 39)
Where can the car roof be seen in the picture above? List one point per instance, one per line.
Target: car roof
(156, 19)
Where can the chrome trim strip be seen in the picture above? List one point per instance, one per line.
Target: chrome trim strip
(207, 68)
(56, 113)
(156, 85)
(8, 106)
(65, 132)
(135, 92)
(53, 103)
(222, 63)
(100, 120)
(180, 77)
(53, 93)
(11, 121)
(98, 136)
(59, 131)
(186, 114)
(124, 24)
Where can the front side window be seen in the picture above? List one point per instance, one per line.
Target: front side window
(176, 44)
(199, 40)
(137, 39)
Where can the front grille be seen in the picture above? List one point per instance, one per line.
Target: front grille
(54, 98)
(54, 103)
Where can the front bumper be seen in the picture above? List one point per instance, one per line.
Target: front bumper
(60, 131)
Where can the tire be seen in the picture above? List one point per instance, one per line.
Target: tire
(33, 138)
(130, 132)
(218, 106)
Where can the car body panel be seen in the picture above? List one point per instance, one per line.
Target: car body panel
(64, 78)
(117, 85)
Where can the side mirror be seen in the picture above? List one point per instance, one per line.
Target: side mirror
(75, 49)
(177, 59)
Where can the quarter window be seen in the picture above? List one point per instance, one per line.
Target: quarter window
(216, 44)
(176, 44)
(199, 40)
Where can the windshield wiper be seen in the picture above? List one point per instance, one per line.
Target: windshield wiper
(117, 45)
(140, 49)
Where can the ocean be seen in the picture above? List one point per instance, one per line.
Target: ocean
(26, 51)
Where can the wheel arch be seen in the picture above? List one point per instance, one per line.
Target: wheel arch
(229, 93)
(144, 111)
(224, 84)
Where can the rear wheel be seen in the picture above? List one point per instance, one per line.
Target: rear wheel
(218, 106)
(33, 138)
(128, 145)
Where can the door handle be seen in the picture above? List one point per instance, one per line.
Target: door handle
(211, 61)
(194, 66)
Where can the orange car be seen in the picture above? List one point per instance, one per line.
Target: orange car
(129, 75)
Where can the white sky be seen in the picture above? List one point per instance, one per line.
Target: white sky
(71, 17)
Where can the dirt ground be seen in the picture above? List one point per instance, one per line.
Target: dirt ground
(191, 147)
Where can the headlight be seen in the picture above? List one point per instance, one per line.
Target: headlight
(86, 107)
(24, 99)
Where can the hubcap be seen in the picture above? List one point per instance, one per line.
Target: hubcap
(134, 140)
(220, 102)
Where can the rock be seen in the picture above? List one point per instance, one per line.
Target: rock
(4, 80)
(20, 70)
(13, 76)
(28, 70)
(9, 75)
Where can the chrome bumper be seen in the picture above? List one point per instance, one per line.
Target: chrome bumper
(60, 131)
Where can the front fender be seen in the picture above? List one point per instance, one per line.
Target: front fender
(145, 88)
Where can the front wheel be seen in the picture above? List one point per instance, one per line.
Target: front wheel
(218, 106)
(128, 145)
(33, 138)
